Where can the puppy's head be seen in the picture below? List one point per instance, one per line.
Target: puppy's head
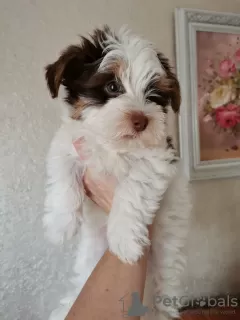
(118, 86)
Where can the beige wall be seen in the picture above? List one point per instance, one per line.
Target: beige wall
(32, 32)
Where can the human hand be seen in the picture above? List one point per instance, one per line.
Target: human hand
(99, 189)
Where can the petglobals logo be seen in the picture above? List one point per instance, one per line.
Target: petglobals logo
(185, 302)
(132, 306)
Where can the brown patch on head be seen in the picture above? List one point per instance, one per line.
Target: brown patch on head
(77, 69)
(169, 84)
(77, 64)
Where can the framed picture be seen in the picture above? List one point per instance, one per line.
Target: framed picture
(208, 67)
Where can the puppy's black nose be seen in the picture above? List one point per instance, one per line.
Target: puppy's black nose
(139, 121)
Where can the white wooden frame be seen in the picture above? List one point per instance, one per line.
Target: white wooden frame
(187, 23)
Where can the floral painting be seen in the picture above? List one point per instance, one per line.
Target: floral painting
(218, 68)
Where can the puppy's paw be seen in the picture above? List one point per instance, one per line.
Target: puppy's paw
(59, 228)
(128, 243)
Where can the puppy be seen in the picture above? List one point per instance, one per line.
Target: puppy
(118, 92)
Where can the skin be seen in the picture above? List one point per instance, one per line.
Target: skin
(111, 279)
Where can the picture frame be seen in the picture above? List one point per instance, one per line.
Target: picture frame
(207, 42)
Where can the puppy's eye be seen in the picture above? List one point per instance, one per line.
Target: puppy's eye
(113, 88)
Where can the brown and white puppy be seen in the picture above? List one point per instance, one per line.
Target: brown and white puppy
(120, 79)
(119, 89)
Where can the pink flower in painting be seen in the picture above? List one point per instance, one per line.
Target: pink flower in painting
(229, 116)
(237, 55)
(227, 68)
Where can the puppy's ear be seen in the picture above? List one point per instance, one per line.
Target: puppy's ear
(170, 84)
(65, 69)
(175, 94)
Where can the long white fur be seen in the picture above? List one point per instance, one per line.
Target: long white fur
(150, 184)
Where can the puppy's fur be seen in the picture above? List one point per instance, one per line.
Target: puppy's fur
(118, 90)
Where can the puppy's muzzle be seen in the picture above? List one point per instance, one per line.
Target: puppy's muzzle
(139, 121)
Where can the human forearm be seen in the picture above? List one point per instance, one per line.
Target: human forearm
(109, 282)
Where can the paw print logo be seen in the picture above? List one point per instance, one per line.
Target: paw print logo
(201, 302)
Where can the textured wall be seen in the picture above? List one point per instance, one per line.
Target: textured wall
(33, 273)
